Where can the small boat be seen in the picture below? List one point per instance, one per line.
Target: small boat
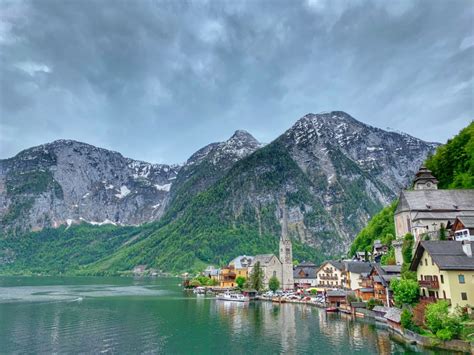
(199, 290)
(331, 309)
(232, 297)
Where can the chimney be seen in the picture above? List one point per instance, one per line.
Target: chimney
(466, 248)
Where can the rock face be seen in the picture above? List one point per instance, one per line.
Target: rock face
(335, 171)
(68, 182)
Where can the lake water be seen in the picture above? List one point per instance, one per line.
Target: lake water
(124, 315)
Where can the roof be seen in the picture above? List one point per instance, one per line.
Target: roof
(430, 200)
(447, 254)
(264, 259)
(336, 293)
(442, 215)
(366, 290)
(307, 263)
(393, 314)
(336, 263)
(309, 272)
(357, 267)
(240, 260)
(392, 269)
(380, 309)
(467, 221)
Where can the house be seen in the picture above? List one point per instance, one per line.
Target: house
(330, 274)
(425, 209)
(352, 273)
(394, 317)
(305, 275)
(241, 265)
(271, 266)
(462, 228)
(381, 276)
(227, 277)
(362, 256)
(139, 269)
(335, 298)
(212, 272)
(445, 270)
(379, 250)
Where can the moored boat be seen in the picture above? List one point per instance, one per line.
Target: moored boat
(232, 297)
(331, 309)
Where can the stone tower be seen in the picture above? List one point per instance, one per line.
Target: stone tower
(425, 180)
(286, 252)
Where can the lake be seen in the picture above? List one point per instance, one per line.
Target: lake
(125, 315)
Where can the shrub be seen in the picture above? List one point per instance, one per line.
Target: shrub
(443, 324)
(405, 291)
(373, 302)
(407, 319)
(240, 281)
(273, 283)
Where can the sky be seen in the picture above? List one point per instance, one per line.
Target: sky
(157, 80)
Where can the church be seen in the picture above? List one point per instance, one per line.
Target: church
(425, 209)
(282, 267)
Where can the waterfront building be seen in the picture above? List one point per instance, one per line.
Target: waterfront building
(380, 278)
(241, 265)
(424, 210)
(353, 271)
(227, 277)
(330, 274)
(212, 272)
(445, 270)
(304, 275)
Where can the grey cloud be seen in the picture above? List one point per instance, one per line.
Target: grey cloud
(156, 80)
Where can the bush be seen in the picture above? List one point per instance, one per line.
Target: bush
(273, 283)
(407, 319)
(405, 291)
(240, 281)
(373, 302)
(443, 324)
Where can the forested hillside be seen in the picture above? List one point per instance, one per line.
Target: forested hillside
(453, 163)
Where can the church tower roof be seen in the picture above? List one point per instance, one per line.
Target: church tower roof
(425, 180)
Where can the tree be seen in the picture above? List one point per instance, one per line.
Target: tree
(273, 283)
(407, 251)
(441, 322)
(405, 291)
(240, 281)
(256, 277)
(442, 232)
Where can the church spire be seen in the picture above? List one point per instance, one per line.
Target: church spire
(284, 222)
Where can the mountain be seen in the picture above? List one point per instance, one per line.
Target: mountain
(329, 171)
(67, 182)
(334, 172)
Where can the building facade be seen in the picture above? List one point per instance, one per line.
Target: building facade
(330, 274)
(445, 270)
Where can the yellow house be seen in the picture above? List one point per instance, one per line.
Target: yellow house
(237, 267)
(445, 270)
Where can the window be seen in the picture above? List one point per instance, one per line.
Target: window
(461, 279)
(444, 294)
(421, 277)
(464, 296)
(442, 280)
(274, 273)
(426, 262)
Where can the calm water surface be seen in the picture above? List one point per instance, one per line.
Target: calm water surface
(122, 315)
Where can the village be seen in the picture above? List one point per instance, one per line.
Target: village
(433, 260)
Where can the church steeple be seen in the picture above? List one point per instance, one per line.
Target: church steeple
(425, 180)
(286, 250)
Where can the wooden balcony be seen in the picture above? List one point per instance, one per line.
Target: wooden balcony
(328, 277)
(432, 284)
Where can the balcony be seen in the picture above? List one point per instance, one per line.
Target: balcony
(433, 284)
(328, 277)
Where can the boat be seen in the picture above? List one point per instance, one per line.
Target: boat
(331, 309)
(232, 297)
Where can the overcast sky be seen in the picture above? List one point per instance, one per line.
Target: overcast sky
(156, 80)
